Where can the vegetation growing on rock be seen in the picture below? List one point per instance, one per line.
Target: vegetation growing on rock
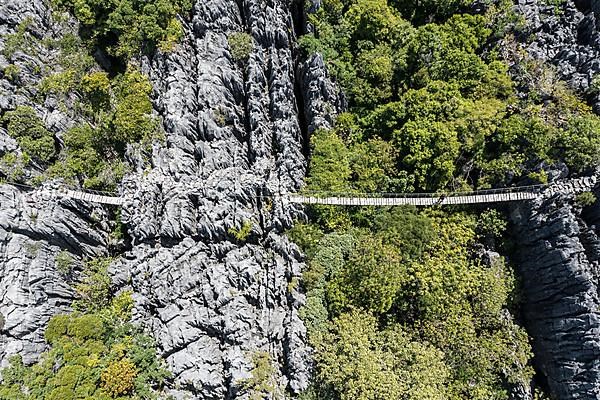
(126, 28)
(240, 44)
(444, 102)
(95, 352)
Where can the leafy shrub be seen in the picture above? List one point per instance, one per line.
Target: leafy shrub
(11, 72)
(94, 290)
(13, 165)
(18, 41)
(263, 383)
(491, 223)
(96, 87)
(240, 44)
(362, 363)
(586, 199)
(119, 377)
(64, 262)
(243, 232)
(27, 128)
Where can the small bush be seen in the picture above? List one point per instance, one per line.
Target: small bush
(585, 199)
(491, 224)
(27, 128)
(94, 291)
(64, 262)
(243, 232)
(13, 166)
(11, 72)
(57, 327)
(18, 41)
(96, 87)
(263, 383)
(119, 377)
(88, 326)
(241, 45)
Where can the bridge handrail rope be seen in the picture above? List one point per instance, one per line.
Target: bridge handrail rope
(511, 189)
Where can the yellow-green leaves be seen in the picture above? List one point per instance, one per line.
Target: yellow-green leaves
(125, 28)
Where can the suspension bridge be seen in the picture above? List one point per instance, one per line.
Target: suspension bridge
(517, 193)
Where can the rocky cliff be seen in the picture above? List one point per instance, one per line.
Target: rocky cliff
(557, 258)
(564, 34)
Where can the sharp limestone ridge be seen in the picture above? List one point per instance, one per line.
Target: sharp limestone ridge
(518, 193)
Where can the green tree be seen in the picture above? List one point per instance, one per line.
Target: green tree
(28, 129)
(362, 363)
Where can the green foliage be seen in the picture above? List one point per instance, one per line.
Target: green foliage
(363, 363)
(375, 270)
(13, 165)
(28, 129)
(11, 72)
(330, 164)
(418, 81)
(94, 354)
(580, 142)
(119, 113)
(240, 44)
(64, 262)
(97, 89)
(119, 377)
(263, 383)
(20, 40)
(586, 199)
(94, 289)
(243, 232)
(491, 224)
(432, 320)
(306, 236)
(126, 27)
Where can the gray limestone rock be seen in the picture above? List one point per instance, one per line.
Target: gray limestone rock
(33, 230)
(565, 35)
(557, 260)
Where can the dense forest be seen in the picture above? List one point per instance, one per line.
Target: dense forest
(403, 303)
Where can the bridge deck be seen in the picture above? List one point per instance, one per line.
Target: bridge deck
(414, 201)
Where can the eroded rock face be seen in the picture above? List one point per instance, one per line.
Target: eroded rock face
(565, 35)
(234, 132)
(33, 230)
(557, 261)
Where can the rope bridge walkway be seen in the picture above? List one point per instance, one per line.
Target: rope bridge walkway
(518, 193)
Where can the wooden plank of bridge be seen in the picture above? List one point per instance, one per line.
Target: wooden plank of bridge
(415, 201)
